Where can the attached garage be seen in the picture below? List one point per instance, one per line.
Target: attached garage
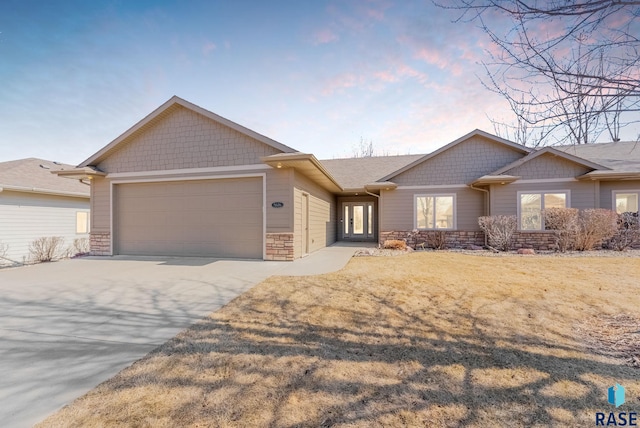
(208, 218)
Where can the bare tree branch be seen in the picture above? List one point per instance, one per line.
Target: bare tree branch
(564, 67)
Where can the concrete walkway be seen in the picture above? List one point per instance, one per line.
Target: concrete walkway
(65, 327)
(326, 260)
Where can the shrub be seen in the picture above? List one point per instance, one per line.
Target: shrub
(564, 224)
(500, 230)
(628, 232)
(594, 227)
(436, 239)
(394, 244)
(47, 249)
(80, 246)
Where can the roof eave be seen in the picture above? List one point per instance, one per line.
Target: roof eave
(43, 191)
(83, 173)
(308, 165)
(610, 175)
(494, 179)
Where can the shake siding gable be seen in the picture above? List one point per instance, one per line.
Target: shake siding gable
(460, 164)
(548, 166)
(180, 138)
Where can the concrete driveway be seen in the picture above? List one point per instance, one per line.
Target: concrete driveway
(67, 326)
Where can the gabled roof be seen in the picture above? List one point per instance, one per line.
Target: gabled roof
(618, 156)
(173, 101)
(552, 151)
(355, 173)
(477, 132)
(34, 175)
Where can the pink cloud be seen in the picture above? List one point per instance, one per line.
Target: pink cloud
(208, 47)
(325, 36)
(340, 82)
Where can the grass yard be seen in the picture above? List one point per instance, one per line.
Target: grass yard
(426, 339)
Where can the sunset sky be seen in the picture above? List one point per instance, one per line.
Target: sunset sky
(314, 75)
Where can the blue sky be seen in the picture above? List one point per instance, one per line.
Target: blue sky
(315, 75)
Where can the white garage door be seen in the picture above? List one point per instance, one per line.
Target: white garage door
(210, 218)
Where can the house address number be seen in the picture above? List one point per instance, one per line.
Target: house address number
(277, 204)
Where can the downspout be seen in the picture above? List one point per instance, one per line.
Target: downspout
(486, 206)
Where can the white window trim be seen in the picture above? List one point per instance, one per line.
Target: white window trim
(615, 192)
(435, 195)
(539, 192)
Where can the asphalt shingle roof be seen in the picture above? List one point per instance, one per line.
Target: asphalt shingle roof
(33, 173)
(354, 173)
(621, 156)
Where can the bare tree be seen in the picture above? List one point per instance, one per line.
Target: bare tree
(363, 150)
(570, 70)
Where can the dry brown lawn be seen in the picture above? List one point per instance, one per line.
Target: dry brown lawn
(426, 339)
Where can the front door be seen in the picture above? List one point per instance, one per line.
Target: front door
(357, 220)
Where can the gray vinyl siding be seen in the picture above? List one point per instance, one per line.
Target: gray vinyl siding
(608, 187)
(25, 217)
(548, 166)
(460, 164)
(504, 198)
(322, 215)
(100, 205)
(279, 189)
(397, 207)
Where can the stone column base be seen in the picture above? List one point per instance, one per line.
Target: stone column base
(100, 244)
(279, 246)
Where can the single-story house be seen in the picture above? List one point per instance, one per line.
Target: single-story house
(185, 181)
(35, 203)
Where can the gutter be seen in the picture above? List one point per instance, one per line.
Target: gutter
(43, 191)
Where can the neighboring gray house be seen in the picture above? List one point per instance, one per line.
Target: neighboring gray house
(35, 203)
(185, 181)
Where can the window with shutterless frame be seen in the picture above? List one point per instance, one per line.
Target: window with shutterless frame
(435, 211)
(532, 203)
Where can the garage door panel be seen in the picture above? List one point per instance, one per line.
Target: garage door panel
(216, 218)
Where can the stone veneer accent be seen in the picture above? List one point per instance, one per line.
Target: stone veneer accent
(100, 243)
(454, 238)
(279, 246)
(464, 239)
(535, 240)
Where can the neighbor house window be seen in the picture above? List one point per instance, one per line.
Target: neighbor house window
(626, 202)
(531, 205)
(82, 222)
(435, 211)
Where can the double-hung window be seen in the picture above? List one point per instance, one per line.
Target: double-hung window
(435, 211)
(626, 201)
(531, 204)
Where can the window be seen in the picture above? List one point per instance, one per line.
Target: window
(531, 204)
(626, 202)
(435, 211)
(82, 222)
